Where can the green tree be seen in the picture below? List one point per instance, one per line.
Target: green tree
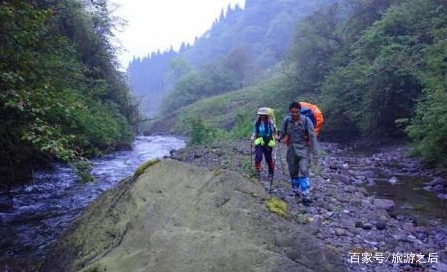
(316, 42)
(238, 63)
(58, 99)
(382, 81)
(187, 90)
(428, 128)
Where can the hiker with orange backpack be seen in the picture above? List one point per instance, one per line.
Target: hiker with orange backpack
(301, 142)
(263, 139)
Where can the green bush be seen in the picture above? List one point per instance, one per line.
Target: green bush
(200, 132)
(243, 127)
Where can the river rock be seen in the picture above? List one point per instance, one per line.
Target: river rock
(342, 178)
(381, 225)
(180, 217)
(385, 204)
(439, 266)
(336, 201)
(437, 181)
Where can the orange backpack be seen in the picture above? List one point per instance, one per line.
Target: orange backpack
(315, 115)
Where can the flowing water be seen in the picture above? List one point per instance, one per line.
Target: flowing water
(391, 174)
(412, 200)
(39, 211)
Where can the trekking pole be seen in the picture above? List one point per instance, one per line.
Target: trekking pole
(316, 165)
(251, 153)
(280, 159)
(274, 162)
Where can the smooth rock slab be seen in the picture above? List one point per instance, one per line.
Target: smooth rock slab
(179, 217)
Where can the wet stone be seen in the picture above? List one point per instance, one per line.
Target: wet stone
(385, 204)
(367, 226)
(380, 225)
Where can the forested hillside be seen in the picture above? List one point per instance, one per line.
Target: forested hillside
(62, 97)
(239, 50)
(377, 68)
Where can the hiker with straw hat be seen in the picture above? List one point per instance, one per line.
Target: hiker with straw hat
(263, 139)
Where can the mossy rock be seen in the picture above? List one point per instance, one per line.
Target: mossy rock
(277, 206)
(140, 170)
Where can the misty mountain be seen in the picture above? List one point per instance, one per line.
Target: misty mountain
(239, 48)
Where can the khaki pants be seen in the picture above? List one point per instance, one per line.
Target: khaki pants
(298, 165)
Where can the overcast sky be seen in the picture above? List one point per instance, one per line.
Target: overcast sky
(159, 24)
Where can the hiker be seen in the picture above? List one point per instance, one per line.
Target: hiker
(302, 141)
(263, 139)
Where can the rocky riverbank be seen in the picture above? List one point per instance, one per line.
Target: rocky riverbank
(367, 230)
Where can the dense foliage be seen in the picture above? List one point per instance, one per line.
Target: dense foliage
(62, 96)
(377, 68)
(373, 78)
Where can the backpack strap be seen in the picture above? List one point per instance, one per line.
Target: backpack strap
(305, 122)
(287, 124)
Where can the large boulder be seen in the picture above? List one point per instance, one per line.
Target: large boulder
(179, 217)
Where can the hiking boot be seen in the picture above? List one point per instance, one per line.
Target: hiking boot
(258, 175)
(306, 199)
(295, 192)
(304, 183)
